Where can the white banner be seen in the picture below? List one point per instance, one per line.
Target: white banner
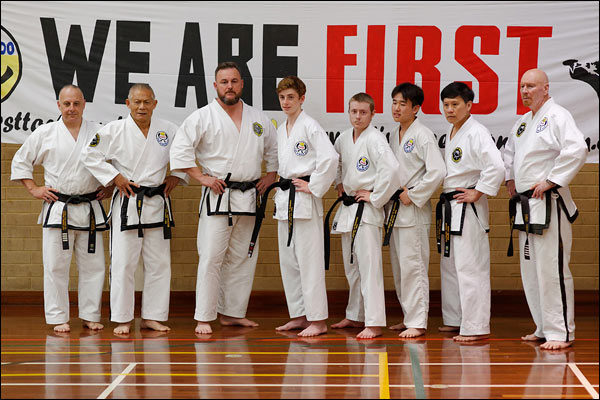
(337, 48)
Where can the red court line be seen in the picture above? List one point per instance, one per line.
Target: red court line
(117, 339)
(398, 339)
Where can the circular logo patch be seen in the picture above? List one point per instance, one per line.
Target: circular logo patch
(542, 125)
(521, 129)
(95, 141)
(363, 164)
(162, 138)
(12, 64)
(257, 129)
(409, 145)
(301, 148)
(456, 154)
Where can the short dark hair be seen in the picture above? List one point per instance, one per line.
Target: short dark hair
(227, 65)
(410, 92)
(456, 89)
(363, 98)
(292, 82)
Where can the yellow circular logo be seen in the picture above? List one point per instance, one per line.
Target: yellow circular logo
(12, 65)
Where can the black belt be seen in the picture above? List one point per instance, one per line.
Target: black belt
(78, 199)
(388, 227)
(141, 192)
(232, 185)
(522, 198)
(283, 184)
(348, 201)
(444, 201)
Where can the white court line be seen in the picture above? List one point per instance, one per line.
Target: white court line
(523, 363)
(583, 380)
(258, 363)
(180, 363)
(198, 384)
(116, 382)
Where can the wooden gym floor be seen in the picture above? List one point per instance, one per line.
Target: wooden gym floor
(237, 362)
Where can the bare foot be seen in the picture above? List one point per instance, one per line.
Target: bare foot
(296, 323)
(230, 321)
(398, 327)
(472, 338)
(412, 333)
(315, 328)
(532, 338)
(203, 328)
(62, 328)
(348, 323)
(555, 345)
(446, 328)
(122, 329)
(95, 326)
(369, 332)
(155, 325)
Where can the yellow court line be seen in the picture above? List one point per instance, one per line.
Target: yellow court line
(191, 374)
(384, 380)
(189, 352)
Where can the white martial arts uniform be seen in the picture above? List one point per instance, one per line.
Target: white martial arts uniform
(142, 160)
(547, 145)
(472, 160)
(306, 152)
(368, 164)
(53, 146)
(225, 272)
(423, 170)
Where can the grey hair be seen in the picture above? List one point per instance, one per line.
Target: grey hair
(140, 86)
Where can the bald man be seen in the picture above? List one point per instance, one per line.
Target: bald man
(544, 152)
(72, 216)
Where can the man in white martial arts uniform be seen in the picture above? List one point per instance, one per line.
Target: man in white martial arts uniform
(543, 154)
(138, 151)
(474, 170)
(307, 167)
(230, 139)
(368, 175)
(423, 168)
(72, 215)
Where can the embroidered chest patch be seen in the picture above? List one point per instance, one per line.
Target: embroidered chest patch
(456, 154)
(301, 148)
(95, 141)
(257, 129)
(363, 164)
(409, 145)
(542, 125)
(162, 138)
(521, 129)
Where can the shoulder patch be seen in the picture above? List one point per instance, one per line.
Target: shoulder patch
(301, 148)
(95, 141)
(521, 129)
(363, 164)
(162, 138)
(257, 129)
(542, 125)
(456, 154)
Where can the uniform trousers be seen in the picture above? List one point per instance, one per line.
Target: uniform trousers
(366, 300)
(225, 272)
(409, 256)
(466, 292)
(57, 261)
(548, 287)
(126, 249)
(303, 268)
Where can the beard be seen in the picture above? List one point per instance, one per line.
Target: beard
(230, 101)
